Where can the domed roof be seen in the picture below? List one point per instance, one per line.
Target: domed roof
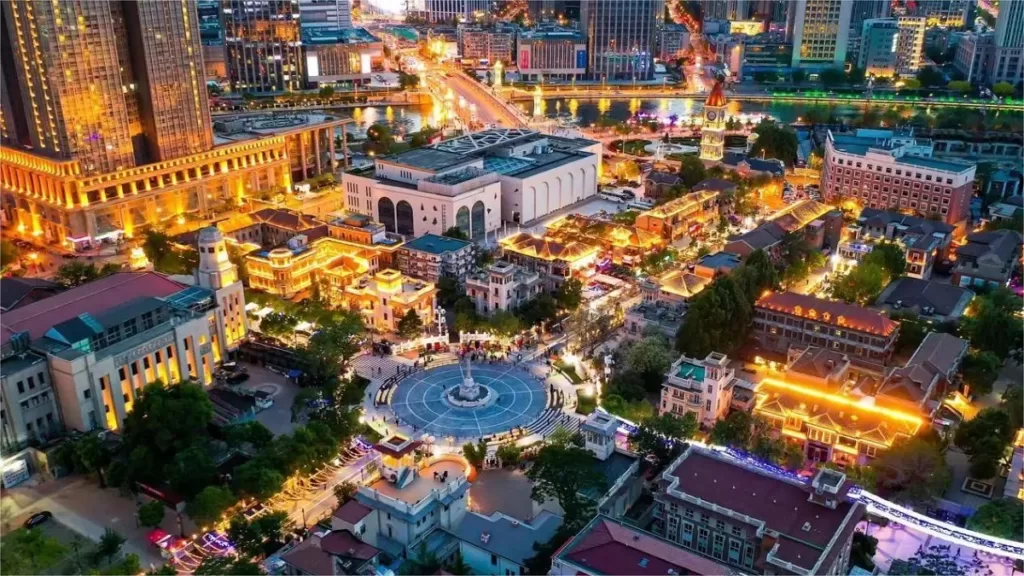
(210, 235)
(717, 96)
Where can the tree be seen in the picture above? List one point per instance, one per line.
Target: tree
(345, 491)
(961, 86)
(129, 564)
(718, 319)
(984, 438)
(855, 76)
(993, 326)
(246, 536)
(475, 453)
(627, 218)
(832, 77)
(228, 566)
(775, 141)
(458, 565)
(980, 370)
(424, 562)
(912, 331)
(408, 81)
(863, 550)
(110, 544)
(329, 351)
(913, 472)
(29, 551)
(191, 470)
(504, 323)
(564, 437)
(540, 563)
(207, 507)
(76, 273)
(564, 473)
(570, 294)
(253, 433)
(253, 479)
(931, 77)
(861, 285)
(410, 326)
(733, 431)
(151, 514)
(541, 309)
(456, 232)
(1003, 518)
(87, 455)
(1003, 89)
(509, 454)
(9, 254)
(798, 76)
(379, 139)
(658, 437)
(649, 359)
(890, 257)
(692, 171)
(326, 92)
(911, 83)
(1013, 404)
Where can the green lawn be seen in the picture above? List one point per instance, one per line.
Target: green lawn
(569, 371)
(585, 404)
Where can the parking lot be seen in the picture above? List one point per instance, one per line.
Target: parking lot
(277, 418)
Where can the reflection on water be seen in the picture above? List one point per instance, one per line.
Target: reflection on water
(401, 119)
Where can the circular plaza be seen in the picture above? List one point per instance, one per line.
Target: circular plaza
(513, 398)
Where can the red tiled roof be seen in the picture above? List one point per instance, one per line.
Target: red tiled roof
(717, 96)
(830, 312)
(308, 558)
(352, 512)
(784, 507)
(92, 298)
(607, 547)
(343, 543)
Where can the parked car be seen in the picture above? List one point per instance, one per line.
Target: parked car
(38, 518)
(236, 379)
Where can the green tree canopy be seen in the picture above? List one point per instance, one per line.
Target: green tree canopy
(992, 324)
(410, 326)
(1003, 518)
(77, 272)
(775, 141)
(692, 171)
(734, 430)
(980, 370)
(984, 439)
(1003, 89)
(207, 507)
(151, 514)
(660, 436)
(456, 232)
(9, 254)
(930, 77)
(570, 294)
(912, 471)
(565, 472)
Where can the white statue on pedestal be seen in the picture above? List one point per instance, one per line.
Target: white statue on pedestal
(469, 389)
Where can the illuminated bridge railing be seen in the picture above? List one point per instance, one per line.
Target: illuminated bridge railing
(880, 507)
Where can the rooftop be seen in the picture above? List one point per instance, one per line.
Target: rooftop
(337, 36)
(944, 299)
(607, 546)
(93, 298)
(690, 371)
(1000, 244)
(860, 145)
(715, 184)
(352, 512)
(529, 245)
(938, 356)
(13, 290)
(434, 244)
(829, 311)
(424, 484)
(428, 158)
(720, 260)
(505, 536)
(876, 218)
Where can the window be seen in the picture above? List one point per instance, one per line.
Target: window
(125, 396)
(21, 387)
(42, 380)
(31, 382)
(494, 560)
(135, 368)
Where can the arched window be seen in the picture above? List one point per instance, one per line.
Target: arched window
(478, 220)
(462, 220)
(403, 218)
(386, 213)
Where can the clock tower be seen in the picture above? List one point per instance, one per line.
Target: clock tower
(712, 140)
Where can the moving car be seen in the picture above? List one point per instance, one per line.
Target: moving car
(38, 518)
(237, 378)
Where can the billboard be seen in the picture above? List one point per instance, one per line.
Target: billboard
(524, 58)
(581, 58)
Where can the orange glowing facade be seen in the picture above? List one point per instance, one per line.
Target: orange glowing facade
(618, 242)
(686, 216)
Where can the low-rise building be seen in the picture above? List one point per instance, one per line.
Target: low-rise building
(702, 387)
(924, 241)
(608, 546)
(388, 296)
(499, 544)
(430, 257)
(1007, 210)
(785, 319)
(302, 262)
(344, 56)
(666, 317)
(690, 215)
(753, 521)
(659, 183)
(502, 286)
(620, 243)
(555, 262)
(818, 223)
(931, 373)
(717, 264)
(931, 300)
(17, 292)
(987, 259)
(676, 286)
(336, 552)
(551, 54)
(488, 43)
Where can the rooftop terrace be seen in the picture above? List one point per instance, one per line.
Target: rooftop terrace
(424, 485)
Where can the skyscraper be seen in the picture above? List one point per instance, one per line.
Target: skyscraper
(621, 37)
(326, 14)
(1008, 56)
(951, 13)
(109, 84)
(264, 45)
(863, 10)
(819, 30)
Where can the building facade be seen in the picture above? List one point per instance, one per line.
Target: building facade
(621, 37)
(502, 286)
(892, 46)
(340, 56)
(555, 262)
(819, 30)
(688, 215)
(326, 14)
(431, 257)
(712, 135)
(882, 173)
(701, 387)
(947, 13)
(263, 40)
(673, 40)
(388, 296)
(925, 241)
(491, 44)
(1008, 53)
(551, 54)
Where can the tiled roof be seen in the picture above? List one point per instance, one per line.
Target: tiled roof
(815, 361)
(352, 512)
(93, 298)
(716, 184)
(505, 536)
(309, 558)
(343, 543)
(663, 177)
(606, 546)
(528, 245)
(1002, 244)
(14, 290)
(935, 359)
(916, 293)
(807, 527)
(877, 218)
(717, 95)
(830, 312)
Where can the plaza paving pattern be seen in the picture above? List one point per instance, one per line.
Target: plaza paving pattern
(418, 401)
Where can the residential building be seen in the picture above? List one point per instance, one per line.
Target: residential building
(819, 31)
(499, 544)
(104, 341)
(664, 316)
(754, 521)
(29, 408)
(925, 380)
(620, 469)
(325, 14)
(430, 257)
(555, 262)
(879, 173)
(607, 546)
(931, 300)
(336, 552)
(701, 387)
(551, 54)
(619, 243)
(712, 135)
(263, 39)
(786, 319)
(690, 215)
(673, 40)
(947, 13)
(1008, 54)
(748, 167)
(862, 11)
(720, 185)
(659, 183)
(340, 56)
(388, 296)
(17, 292)
(1006, 211)
(621, 37)
(819, 224)
(138, 98)
(892, 46)
(475, 181)
(987, 259)
(924, 241)
(491, 44)
(1004, 183)
(677, 286)
(973, 55)
(717, 264)
(502, 286)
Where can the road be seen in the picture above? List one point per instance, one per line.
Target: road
(488, 109)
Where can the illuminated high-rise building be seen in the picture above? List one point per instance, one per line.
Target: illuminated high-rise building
(819, 30)
(109, 84)
(1008, 55)
(621, 37)
(264, 45)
